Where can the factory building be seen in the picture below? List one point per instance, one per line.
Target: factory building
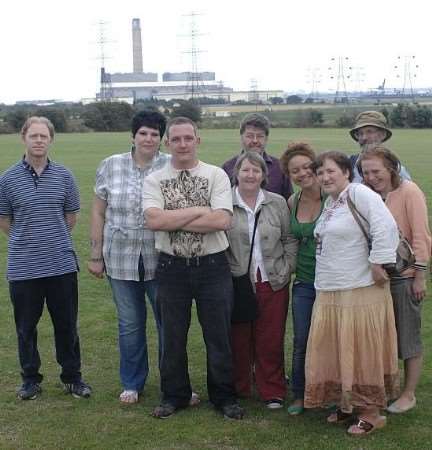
(138, 84)
(144, 85)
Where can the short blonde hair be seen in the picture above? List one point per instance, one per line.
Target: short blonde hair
(38, 119)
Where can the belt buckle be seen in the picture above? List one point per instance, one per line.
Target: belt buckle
(193, 261)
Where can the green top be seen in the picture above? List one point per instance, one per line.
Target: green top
(303, 232)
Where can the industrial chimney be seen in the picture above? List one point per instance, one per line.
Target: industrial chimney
(137, 46)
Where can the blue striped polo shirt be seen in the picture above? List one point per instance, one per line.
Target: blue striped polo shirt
(40, 243)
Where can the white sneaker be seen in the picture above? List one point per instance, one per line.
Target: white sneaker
(274, 403)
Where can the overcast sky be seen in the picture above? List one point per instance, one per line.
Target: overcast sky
(50, 50)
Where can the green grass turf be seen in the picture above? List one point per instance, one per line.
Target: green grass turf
(56, 421)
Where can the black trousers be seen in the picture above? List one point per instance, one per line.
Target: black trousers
(208, 280)
(61, 296)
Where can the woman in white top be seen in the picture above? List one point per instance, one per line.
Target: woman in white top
(351, 358)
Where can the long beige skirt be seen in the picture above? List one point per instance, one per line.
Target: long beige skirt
(351, 357)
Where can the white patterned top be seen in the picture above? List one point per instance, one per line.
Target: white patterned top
(342, 255)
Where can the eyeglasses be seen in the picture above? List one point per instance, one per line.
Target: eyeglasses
(257, 136)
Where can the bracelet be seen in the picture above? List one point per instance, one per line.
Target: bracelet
(96, 260)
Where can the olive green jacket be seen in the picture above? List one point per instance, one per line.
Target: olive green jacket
(278, 245)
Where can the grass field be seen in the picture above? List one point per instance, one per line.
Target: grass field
(56, 421)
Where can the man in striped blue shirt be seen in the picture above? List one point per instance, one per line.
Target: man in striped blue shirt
(39, 203)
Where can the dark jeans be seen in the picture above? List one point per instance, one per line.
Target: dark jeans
(303, 298)
(207, 280)
(61, 296)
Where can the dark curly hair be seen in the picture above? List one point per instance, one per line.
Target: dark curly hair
(295, 149)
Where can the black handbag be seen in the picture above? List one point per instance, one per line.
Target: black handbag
(245, 305)
(405, 257)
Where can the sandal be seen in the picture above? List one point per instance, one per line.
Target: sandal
(129, 396)
(194, 400)
(366, 427)
(339, 416)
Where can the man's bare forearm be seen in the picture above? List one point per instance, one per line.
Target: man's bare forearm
(171, 220)
(71, 220)
(5, 224)
(218, 220)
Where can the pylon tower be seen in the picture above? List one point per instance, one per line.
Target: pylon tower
(340, 72)
(105, 78)
(406, 69)
(196, 86)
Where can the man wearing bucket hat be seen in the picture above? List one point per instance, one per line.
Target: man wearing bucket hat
(371, 127)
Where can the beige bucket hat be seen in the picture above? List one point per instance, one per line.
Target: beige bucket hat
(372, 119)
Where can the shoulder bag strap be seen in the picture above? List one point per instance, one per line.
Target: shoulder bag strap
(253, 239)
(356, 213)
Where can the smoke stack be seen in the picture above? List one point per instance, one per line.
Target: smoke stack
(137, 46)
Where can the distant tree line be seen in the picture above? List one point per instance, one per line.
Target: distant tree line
(403, 115)
(98, 116)
(117, 116)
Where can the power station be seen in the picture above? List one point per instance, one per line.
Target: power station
(138, 84)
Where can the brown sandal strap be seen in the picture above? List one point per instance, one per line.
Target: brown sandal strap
(341, 416)
(363, 425)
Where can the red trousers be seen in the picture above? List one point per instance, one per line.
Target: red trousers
(258, 347)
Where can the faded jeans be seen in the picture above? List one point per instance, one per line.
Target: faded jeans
(129, 298)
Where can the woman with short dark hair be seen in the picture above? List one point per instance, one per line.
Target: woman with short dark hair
(123, 248)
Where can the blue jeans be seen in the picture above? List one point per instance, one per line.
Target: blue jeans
(303, 298)
(129, 298)
(208, 280)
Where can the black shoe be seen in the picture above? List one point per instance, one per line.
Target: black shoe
(164, 410)
(29, 390)
(79, 389)
(232, 411)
